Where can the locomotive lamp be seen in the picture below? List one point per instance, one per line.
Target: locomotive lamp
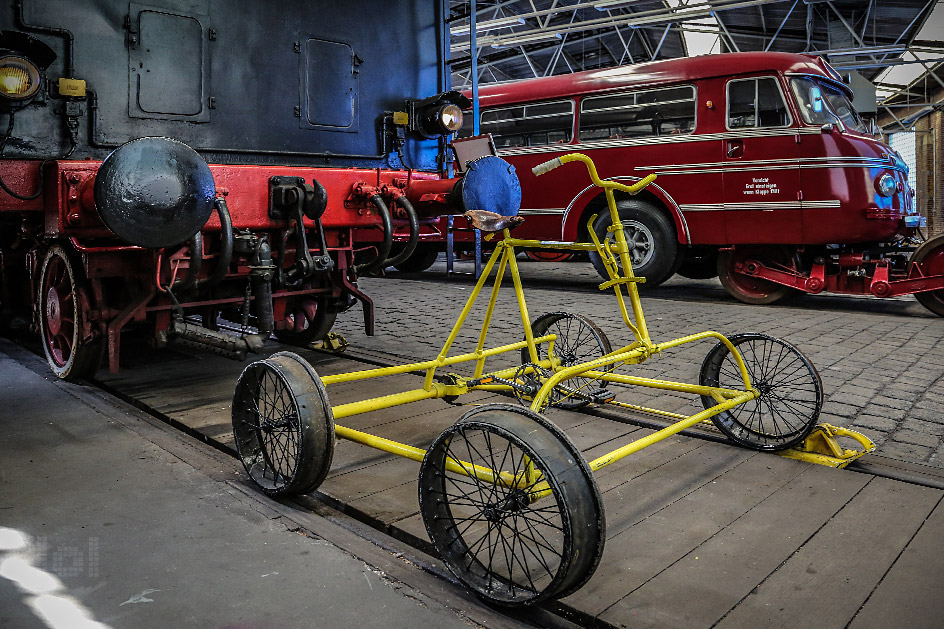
(22, 61)
(19, 79)
(437, 115)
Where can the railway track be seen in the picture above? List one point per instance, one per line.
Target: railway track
(371, 495)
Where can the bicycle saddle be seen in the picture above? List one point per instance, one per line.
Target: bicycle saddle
(490, 222)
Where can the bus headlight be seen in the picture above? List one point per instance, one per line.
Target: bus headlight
(19, 81)
(885, 185)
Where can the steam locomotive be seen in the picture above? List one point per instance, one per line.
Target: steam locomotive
(170, 164)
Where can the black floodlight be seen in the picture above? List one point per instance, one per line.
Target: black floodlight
(438, 115)
(23, 59)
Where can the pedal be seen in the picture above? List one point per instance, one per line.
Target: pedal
(602, 396)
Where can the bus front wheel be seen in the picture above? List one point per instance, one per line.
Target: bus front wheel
(650, 235)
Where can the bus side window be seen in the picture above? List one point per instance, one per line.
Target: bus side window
(529, 125)
(648, 113)
(756, 103)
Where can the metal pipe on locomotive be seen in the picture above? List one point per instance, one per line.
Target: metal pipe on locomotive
(315, 129)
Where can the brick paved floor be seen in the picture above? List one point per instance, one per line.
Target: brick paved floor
(881, 361)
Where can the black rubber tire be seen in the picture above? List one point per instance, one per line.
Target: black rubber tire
(308, 320)
(791, 392)
(930, 256)
(423, 258)
(579, 340)
(655, 256)
(754, 290)
(699, 263)
(61, 317)
(472, 521)
(283, 425)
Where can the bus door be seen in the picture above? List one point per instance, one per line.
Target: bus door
(760, 165)
(839, 168)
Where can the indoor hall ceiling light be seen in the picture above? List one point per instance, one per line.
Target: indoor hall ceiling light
(606, 5)
(487, 25)
(526, 38)
(863, 50)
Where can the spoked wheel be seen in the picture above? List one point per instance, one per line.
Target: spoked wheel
(516, 539)
(930, 258)
(539, 255)
(62, 312)
(579, 340)
(755, 290)
(307, 320)
(283, 425)
(791, 392)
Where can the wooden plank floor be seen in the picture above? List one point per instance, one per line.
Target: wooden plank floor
(699, 534)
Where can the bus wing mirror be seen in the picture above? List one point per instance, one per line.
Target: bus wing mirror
(827, 128)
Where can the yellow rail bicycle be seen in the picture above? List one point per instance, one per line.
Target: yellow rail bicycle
(508, 501)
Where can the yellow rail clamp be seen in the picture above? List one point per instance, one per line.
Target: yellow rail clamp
(332, 343)
(822, 447)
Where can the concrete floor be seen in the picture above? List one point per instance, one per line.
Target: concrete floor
(109, 519)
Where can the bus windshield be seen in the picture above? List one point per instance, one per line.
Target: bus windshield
(819, 102)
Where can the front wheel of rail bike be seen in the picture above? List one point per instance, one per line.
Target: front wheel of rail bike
(579, 340)
(524, 522)
(283, 425)
(791, 392)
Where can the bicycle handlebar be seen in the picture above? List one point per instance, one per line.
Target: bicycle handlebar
(550, 165)
(546, 167)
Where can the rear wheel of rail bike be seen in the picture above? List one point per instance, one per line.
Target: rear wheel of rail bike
(283, 425)
(579, 340)
(930, 257)
(791, 392)
(507, 547)
(650, 236)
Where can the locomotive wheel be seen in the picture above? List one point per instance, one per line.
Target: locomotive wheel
(422, 259)
(699, 264)
(283, 425)
(306, 320)
(548, 256)
(754, 290)
(62, 317)
(650, 235)
(507, 549)
(930, 257)
(579, 340)
(791, 392)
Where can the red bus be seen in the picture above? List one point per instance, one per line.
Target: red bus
(767, 175)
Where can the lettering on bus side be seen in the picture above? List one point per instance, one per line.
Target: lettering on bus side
(761, 186)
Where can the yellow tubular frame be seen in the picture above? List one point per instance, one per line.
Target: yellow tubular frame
(616, 259)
